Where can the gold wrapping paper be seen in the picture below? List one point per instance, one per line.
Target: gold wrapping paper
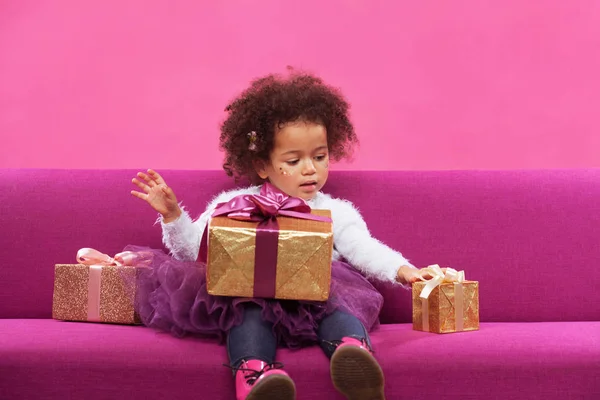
(441, 307)
(303, 258)
(70, 300)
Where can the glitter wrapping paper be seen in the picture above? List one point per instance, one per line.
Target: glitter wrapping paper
(71, 290)
(304, 254)
(441, 307)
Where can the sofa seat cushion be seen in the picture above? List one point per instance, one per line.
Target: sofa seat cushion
(42, 358)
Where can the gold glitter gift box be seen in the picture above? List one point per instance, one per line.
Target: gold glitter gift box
(302, 248)
(94, 293)
(445, 304)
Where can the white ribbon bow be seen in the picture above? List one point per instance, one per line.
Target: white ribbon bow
(439, 277)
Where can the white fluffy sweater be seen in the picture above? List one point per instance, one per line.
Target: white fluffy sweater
(351, 237)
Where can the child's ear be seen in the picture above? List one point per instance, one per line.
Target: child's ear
(260, 167)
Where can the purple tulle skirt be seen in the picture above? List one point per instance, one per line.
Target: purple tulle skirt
(171, 296)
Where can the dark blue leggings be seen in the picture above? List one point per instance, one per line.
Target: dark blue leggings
(254, 337)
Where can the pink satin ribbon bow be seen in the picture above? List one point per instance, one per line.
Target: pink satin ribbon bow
(96, 260)
(263, 208)
(270, 203)
(87, 256)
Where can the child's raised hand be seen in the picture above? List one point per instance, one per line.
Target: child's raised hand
(156, 193)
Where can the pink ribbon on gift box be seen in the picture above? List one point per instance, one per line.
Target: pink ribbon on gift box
(263, 208)
(95, 260)
(439, 277)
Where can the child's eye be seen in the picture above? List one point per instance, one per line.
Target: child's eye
(292, 162)
(320, 158)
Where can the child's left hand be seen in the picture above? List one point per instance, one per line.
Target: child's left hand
(409, 275)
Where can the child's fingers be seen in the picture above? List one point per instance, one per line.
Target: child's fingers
(149, 181)
(156, 176)
(139, 195)
(141, 185)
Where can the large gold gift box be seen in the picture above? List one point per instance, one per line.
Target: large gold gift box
(440, 312)
(93, 293)
(304, 251)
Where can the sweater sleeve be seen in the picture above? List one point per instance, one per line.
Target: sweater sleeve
(182, 236)
(354, 242)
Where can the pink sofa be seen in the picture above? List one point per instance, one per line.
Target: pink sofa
(531, 238)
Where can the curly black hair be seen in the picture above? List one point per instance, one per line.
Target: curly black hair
(272, 101)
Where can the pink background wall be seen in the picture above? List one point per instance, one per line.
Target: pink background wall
(433, 84)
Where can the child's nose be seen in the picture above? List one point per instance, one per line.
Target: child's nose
(309, 168)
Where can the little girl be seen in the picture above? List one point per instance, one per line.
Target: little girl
(280, 134)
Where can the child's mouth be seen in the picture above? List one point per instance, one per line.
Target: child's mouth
(312, 185)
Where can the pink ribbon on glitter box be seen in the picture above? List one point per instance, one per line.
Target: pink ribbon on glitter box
(95, 260)
(263, 208)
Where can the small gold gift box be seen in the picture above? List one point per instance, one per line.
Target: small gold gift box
(450, 304)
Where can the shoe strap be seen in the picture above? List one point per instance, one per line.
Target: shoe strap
(251, 375)
(334, 344)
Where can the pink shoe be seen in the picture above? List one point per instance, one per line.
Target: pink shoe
(258, 380)
(355, 372)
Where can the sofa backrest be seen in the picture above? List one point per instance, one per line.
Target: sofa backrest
(531, 238)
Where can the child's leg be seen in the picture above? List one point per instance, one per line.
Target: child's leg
(252, 339)
(339, 325)
(251, 348)
(354, 371)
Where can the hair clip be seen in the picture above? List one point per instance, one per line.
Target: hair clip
(252, 137)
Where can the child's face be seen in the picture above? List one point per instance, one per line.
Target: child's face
(299, 163)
